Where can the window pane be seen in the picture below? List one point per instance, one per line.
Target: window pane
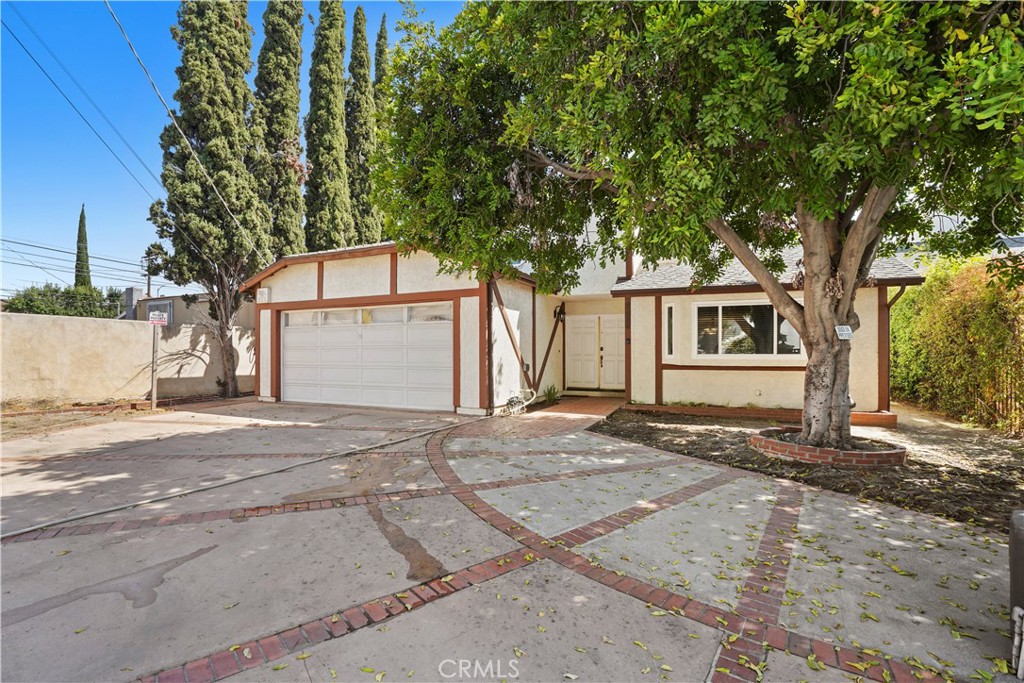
(395, 314)
(348, 317)
(747, 329)
(707, 330)
(430, 314)
(670, 329)
(789, 340)
(303, 319)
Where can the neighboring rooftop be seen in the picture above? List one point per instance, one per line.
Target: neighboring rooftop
(679, 276)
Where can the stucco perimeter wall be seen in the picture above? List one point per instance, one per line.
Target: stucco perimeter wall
(762, 381)
(66, 359)
(418, 272)
(507, 376)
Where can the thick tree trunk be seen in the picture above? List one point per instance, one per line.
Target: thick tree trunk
(224, 307)
(827, 405)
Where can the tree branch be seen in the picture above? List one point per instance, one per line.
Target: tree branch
(862, 240)
(581, 173)
(777, 294)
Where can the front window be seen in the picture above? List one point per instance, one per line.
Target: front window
(744, 330)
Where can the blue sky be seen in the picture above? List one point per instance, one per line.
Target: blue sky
(51, 163)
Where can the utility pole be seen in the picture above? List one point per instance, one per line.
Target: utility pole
(152, 371)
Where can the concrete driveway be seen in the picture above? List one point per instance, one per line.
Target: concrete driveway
(510, 548)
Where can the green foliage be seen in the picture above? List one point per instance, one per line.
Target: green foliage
(82, 276)
(277, 109)
(329, 223)
(551, 394)
(361, 130)
(515, 126)
(51, 299)
(380, 64)
(957, 345)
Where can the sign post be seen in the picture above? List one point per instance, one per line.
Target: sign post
(157, 319)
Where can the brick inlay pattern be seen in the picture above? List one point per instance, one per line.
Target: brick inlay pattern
(279, 645)
(766, 442)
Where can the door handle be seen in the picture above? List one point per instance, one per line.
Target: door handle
(602, 360)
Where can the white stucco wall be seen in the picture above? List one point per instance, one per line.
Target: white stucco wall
(642, 350)
(469, 352)
(264, 360)
(365, 276)
(507, 375)
(294, 283)
(67, 359)
(606, 306)
(418, 273)
(762, 388)
(546, 306)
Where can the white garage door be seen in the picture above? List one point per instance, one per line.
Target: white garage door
(386, 356)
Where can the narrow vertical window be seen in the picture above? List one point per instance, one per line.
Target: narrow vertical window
(669, 331)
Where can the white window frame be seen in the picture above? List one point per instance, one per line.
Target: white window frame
(406, 314)
(669, 336)
(720, 303)
(163, 305)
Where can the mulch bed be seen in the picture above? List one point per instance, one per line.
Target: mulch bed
(983, 496)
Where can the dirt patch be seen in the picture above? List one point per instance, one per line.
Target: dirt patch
(19, 426)
(963, 474)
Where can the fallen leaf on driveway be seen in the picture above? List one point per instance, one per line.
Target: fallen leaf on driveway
(278, 667)
(247, 653)
(304, 655)
(79, 630)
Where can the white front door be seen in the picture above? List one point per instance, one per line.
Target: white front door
(596, 352)
(582, 356)
(613, 351)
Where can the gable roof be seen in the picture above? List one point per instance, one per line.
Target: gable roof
(679, 276)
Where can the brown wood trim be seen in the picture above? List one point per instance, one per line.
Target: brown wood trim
(658, 365)
(456, 352)
(740, 368)
(551, 343)
(483, 324)
(275, 354)
(352, 252)
(533, 334)
(565, 351)
(511, 334)
(884, 356)
(490, 347)
(394, 272)
(629, 264)
(629, 348)
(744, 289)
(320, 280)
(374, 300)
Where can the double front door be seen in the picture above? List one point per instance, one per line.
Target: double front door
(595, 354)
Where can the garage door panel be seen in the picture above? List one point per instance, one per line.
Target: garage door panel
(385, 364)
(339, 375)
(383, 355)
(429, 377)
(386, 376)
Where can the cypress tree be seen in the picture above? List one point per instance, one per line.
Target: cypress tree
(380, 63)
(329, 222)
(82, 275)
(218, 235)
(361, 120)
(277, 98)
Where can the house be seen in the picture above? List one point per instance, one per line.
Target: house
(369, 326)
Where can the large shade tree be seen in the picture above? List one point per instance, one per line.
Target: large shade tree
(214, 219)
(710, 131)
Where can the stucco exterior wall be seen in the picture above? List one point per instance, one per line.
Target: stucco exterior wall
(418, 273)
(66, 359)
(506, 372)
(366, 276)
(546, 306)
(469, 352)
(264, 351)
(641, 350)
(294, 283)
(606, 306)
(767, 388)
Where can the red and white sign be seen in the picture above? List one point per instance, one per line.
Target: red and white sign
(157, 318)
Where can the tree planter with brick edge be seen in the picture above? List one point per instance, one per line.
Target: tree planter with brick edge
(768, 442)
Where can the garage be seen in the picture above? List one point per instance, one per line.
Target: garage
(381, 356)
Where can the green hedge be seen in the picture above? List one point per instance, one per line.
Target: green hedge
(958, 346)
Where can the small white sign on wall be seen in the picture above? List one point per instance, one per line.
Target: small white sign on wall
(844, 332)
(157, 317)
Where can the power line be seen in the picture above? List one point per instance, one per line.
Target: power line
(92, 267)
(40, 267)
(77, 110)
(184, 137)
(82, 89)
(66, 251)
